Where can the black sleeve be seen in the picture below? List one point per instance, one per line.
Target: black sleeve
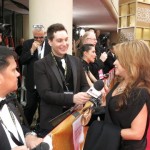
(138, 98)
(95, 67)
(26, 54)
(25, 129)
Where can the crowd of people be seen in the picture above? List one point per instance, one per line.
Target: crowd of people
(56, 81)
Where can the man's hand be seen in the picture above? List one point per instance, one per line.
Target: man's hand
(81, 98)
(103, 56)
(34, 47)
(20, 148)
(32, 141)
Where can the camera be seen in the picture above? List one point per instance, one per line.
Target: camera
(5, 29)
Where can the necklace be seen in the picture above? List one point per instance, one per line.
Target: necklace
(120, 88)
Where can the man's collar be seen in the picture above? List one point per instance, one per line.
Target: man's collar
(2, 98)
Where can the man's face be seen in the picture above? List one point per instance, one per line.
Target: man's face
(9, 77)
(90, 39)
(59, 43)
(90, 55)
(38, 36)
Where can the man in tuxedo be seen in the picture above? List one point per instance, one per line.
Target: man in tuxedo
(33, 49)
(11, 131)
(59, 78)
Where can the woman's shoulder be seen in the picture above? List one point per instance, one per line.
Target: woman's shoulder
(140, 94)
(140, 91)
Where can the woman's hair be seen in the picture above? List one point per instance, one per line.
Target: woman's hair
(85, 47)
(134, 57)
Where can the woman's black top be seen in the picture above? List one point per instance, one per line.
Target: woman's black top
(85, 66)
(124, 117)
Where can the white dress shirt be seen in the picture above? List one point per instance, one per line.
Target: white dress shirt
(41, 51)
(8, 124)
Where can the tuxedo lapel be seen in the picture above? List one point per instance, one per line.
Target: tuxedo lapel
(54, 68)
(74, 71)
(57, 74)
(4, 143)
(47, 48)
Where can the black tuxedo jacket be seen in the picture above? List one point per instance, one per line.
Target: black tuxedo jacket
(4, 143)
(27, 59)
(50, 87)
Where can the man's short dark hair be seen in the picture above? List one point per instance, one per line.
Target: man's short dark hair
(53, 29)
(4, 54)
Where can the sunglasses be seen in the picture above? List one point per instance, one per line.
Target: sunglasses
(38, 26)
(38, 37)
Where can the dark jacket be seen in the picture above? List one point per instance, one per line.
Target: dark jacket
(27, 59)
(4, 143)
(50, 87)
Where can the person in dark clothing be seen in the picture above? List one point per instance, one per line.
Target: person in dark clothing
(128, 102)
(99, 47)
(12, 132)
(109, 63)
(88, 55)
(59, 78)
(33, 50)
(130, 97)
(90, 38)
(18, 49)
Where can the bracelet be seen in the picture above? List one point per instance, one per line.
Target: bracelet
(31, 133)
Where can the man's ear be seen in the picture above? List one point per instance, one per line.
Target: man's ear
(85, 53)
(49, 42)
(1, 78)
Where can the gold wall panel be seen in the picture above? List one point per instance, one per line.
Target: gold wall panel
(138, 33)
(132, 8)
(131, 21)
(146, 34)
(123, 10)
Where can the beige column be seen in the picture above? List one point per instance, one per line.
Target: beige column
(26, 27)
(47, 12)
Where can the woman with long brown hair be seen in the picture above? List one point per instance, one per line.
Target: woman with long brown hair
(128, 102)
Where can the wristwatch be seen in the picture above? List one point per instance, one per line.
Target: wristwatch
(30, 133)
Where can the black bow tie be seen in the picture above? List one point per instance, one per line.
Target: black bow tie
(2, 103)
(6, 101)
